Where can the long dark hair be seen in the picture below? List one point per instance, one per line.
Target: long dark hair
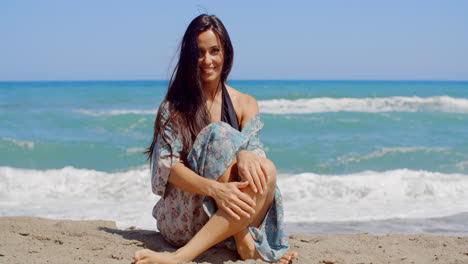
(185, 96)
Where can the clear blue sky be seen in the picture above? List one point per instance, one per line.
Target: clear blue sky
(332, 39)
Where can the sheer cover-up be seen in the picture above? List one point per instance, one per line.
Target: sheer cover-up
(180, 215)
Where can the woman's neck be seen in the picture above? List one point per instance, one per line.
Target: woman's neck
(211, 90)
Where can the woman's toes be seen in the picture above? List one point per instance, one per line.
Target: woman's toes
(284, 260)
(141, 254)
(287, 257)
(136, 258)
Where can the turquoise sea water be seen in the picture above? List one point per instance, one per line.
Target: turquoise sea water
(344, 150)
(72, 123)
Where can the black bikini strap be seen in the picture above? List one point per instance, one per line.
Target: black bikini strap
(228, 114)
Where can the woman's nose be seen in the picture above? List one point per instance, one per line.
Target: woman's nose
(207, 59)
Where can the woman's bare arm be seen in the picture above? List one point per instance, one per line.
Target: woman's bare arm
(251, 167)
(228, 196)
(187, 180)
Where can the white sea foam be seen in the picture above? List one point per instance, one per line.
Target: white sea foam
(126, 196)
(373, 195)
(71, 183)
(20, 143)
(372, 105)
(327, 104)
(462, 165)
(71, 193)
(385, 151)
(115, 112)
(141, 120)
(135, 150)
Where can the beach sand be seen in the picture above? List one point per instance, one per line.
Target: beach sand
(39, 240)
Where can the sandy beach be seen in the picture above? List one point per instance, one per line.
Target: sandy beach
(40, 240)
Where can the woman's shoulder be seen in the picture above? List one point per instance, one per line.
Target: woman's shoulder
(164, 113)
(245, 104)
(238, 96)
(164, 109)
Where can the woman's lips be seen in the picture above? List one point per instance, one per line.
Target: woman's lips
(208, 70)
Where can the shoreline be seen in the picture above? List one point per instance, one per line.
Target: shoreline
(39, 240)
(451, 225)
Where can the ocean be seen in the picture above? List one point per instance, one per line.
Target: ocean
(352, 156)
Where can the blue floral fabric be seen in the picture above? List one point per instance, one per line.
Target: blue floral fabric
(180, 214)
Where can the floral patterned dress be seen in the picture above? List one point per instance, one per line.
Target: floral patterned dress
(180, 215)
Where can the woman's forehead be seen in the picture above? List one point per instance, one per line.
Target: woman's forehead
(208, 39)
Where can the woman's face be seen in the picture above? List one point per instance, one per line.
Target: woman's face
(211, 56)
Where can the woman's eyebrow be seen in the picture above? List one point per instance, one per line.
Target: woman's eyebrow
(214, 46)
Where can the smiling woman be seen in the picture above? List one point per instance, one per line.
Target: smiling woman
(216, 184)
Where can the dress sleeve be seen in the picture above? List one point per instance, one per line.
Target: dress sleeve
(251, 130)
(162, 158)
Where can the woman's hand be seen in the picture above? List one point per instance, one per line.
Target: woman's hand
(251, 169)
(229, 197)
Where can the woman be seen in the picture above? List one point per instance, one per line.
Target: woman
(208, 165)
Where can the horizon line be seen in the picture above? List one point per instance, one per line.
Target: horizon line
(167, 80)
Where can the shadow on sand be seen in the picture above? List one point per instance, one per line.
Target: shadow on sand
(155, 241)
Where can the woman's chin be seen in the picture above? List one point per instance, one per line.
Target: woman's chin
(209, 79)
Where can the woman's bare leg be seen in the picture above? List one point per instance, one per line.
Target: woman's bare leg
(219, 227)
(244, 241)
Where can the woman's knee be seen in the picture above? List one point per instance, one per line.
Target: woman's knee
(217, 133)
(213, 151)
(270, 170)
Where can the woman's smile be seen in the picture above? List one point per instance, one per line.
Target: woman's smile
(208, 70)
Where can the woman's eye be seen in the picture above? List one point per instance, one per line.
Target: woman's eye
(215, 51)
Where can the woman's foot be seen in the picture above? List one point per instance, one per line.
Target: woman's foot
(247, 250)
(147, 256)
(287, 257)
